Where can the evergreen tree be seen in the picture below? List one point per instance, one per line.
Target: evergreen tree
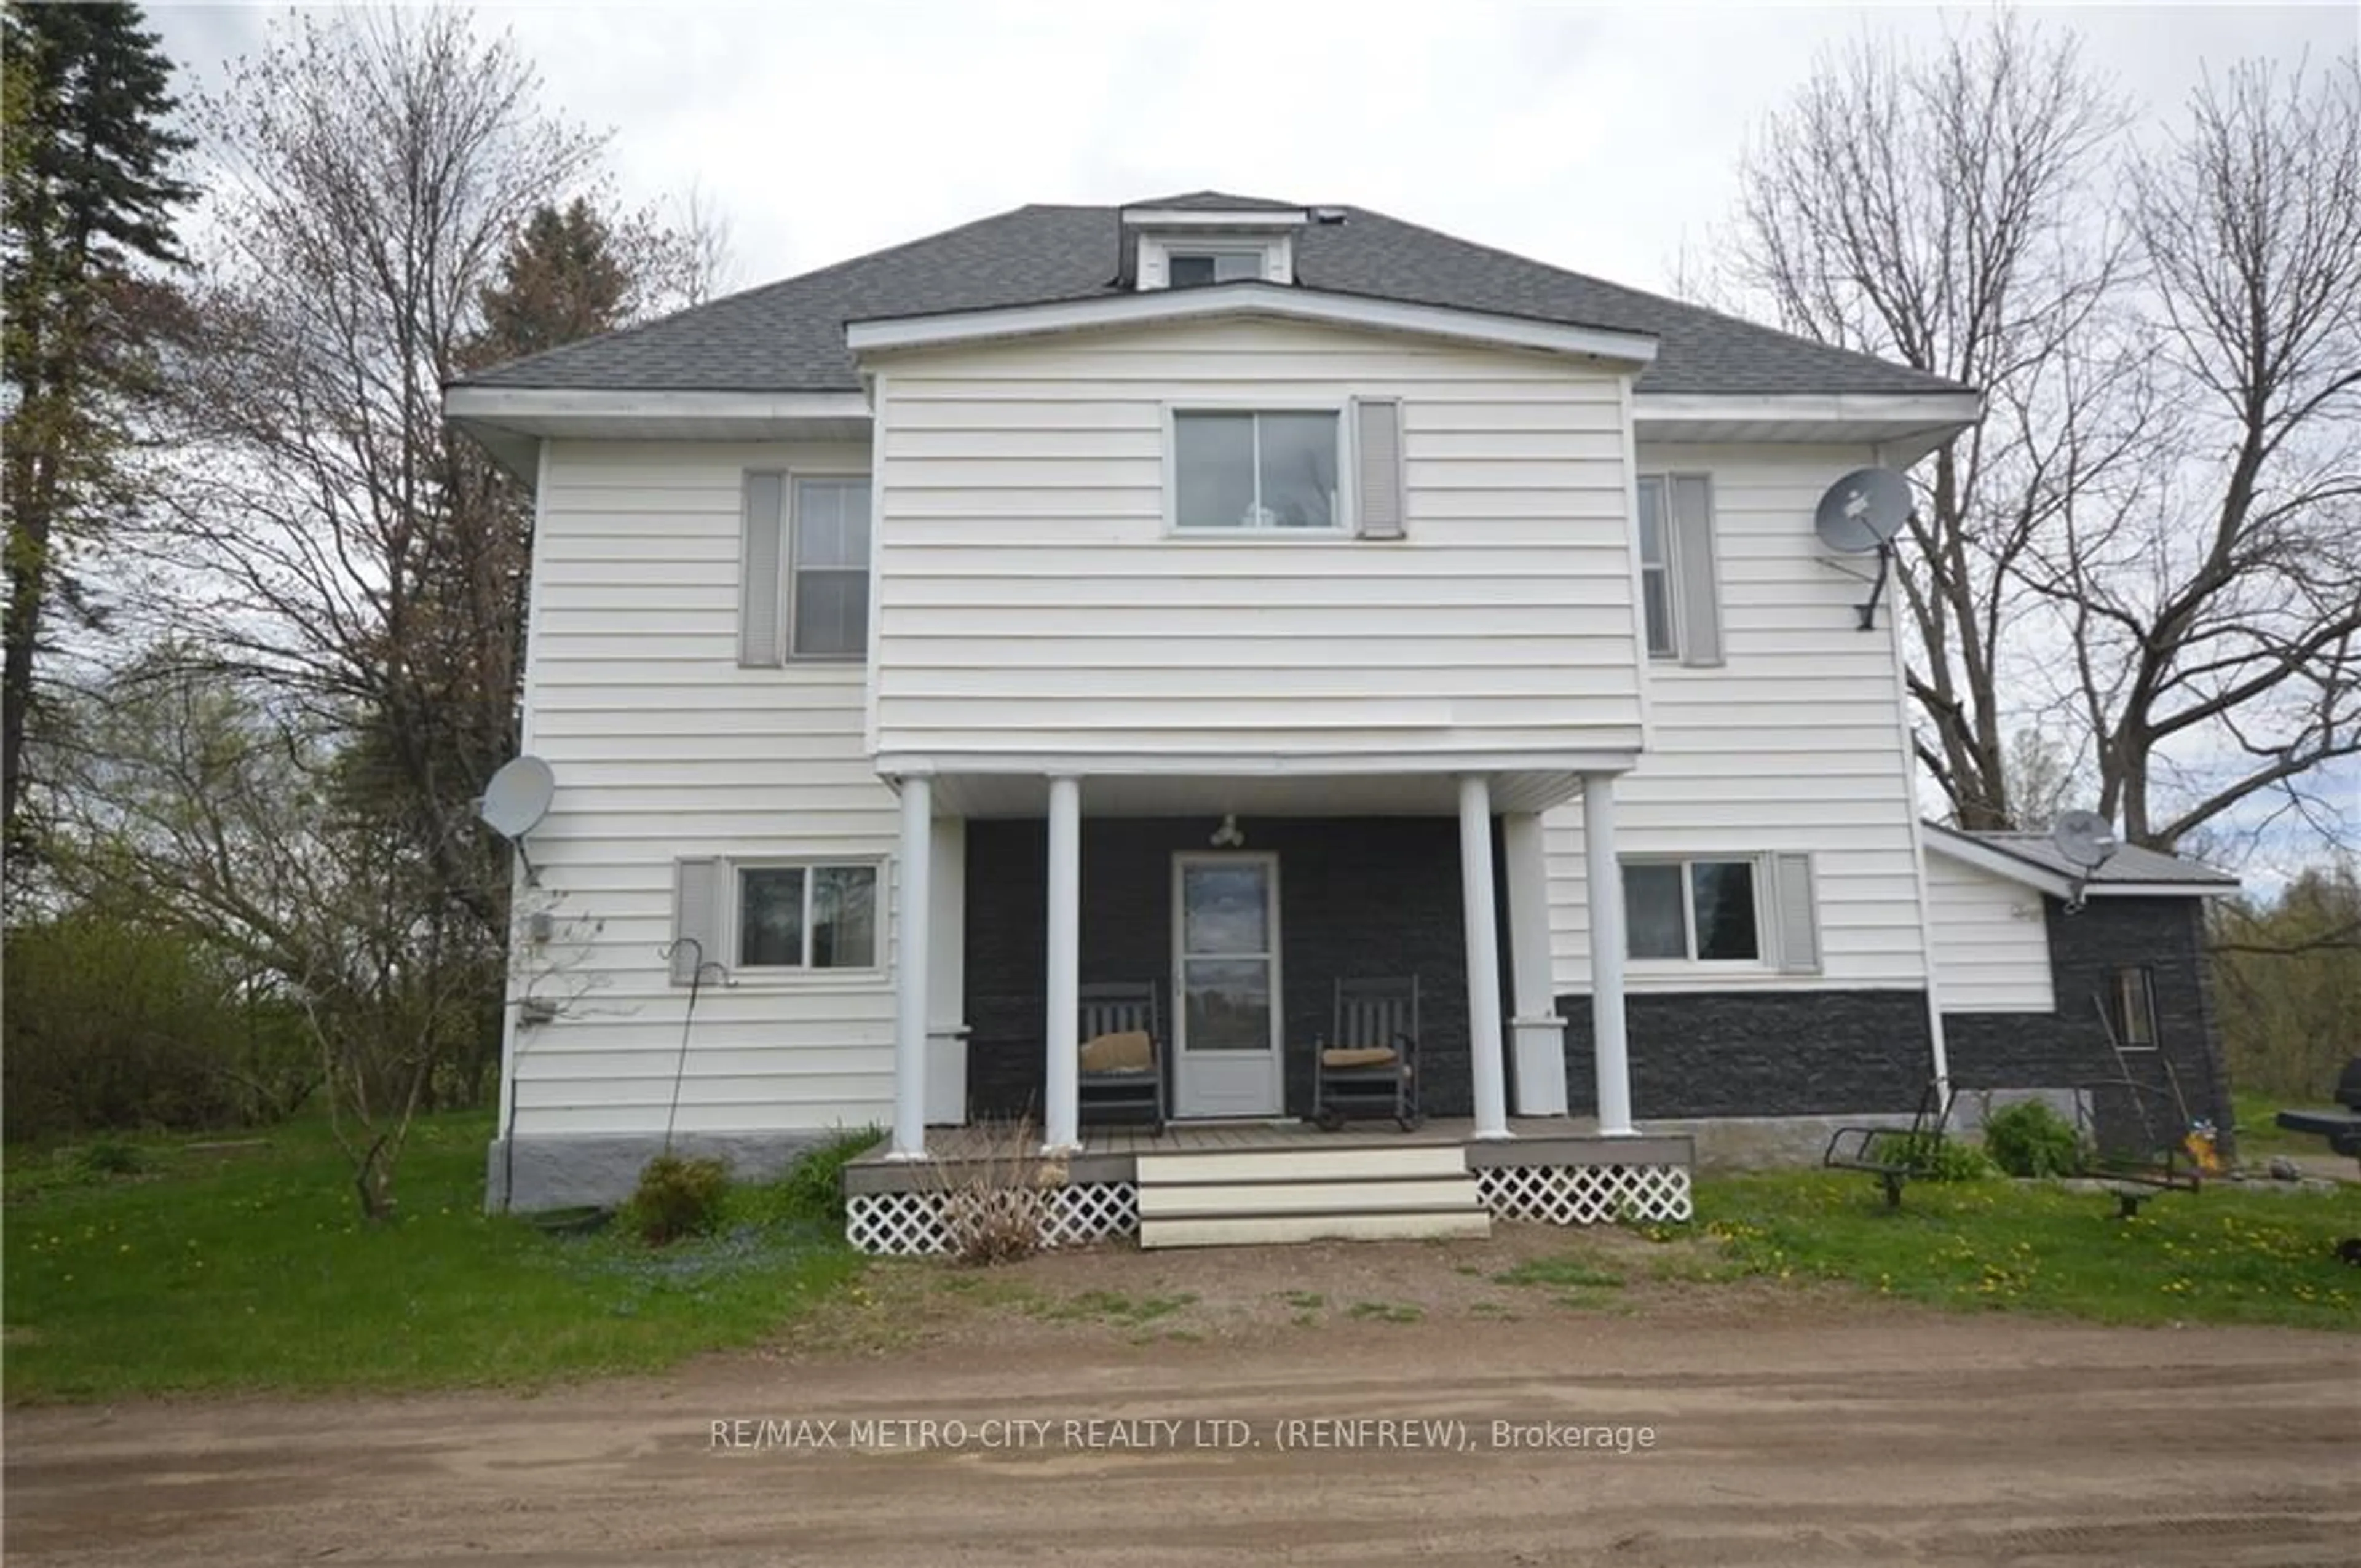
(90, 205)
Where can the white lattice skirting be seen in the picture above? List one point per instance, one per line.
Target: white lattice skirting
(908, 1224)
(1585, 1194)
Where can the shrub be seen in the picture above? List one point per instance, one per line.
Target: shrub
(2030, 1139)
(677, 1198)
(110, 1156)
(813, 1187)
(1930, 1158)
(996, 1208)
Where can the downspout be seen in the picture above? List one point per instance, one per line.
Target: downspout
(1942, 1052)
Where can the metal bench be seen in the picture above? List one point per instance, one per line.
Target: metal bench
(1893, 1155)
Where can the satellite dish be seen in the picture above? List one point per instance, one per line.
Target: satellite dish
(515, 800)
(2085, 840)
(1861, 512)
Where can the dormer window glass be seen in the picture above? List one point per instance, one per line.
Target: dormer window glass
(1195, 269)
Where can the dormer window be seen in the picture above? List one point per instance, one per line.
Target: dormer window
(1195, 269)
(1194, 243)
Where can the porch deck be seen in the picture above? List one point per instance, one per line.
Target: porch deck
(1109, 1153)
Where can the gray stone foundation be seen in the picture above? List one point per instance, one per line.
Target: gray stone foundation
(560, 1172)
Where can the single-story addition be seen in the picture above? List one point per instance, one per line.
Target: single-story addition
(1096, 664)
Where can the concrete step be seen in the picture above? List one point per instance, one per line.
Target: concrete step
(1353, 1162)
(1255, 1230)
(1440, 1194)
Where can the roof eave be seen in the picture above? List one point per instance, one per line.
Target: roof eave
(1906, 426)
(1968, 850)
(1164, 306)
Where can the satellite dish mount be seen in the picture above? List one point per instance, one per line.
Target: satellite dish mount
(2086, 841)
(515, 800)
(1862, 512)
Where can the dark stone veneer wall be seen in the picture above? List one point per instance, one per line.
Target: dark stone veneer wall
(2067, 1048)
(1380, 896)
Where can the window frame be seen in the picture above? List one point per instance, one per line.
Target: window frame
(2119, 1017)
(1667, 571)
(1153, 268)
(791, 481)
(734, 916)
(1342, 510)
(1760, 872)
(1668, 530)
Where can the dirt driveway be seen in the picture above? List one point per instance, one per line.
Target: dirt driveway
(1781, 1426)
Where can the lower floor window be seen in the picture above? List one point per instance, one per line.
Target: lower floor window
(2134, 1006)
(808, 917)
(1701, 910)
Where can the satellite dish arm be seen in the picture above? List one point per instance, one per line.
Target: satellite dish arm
(1876, 588)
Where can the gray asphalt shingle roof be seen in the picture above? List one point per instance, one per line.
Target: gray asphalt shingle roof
(789, 336)
(2129, 864)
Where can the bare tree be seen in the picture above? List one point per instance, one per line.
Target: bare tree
(2215, 605)
(1932, 210)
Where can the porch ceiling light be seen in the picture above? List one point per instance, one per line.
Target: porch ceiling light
(1227, 837)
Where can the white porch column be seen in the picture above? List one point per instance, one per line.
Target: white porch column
(1483, 957)
(1603, 882)
(1533, 1023)
(914, 923)
(1061, 1092)
(947, 978)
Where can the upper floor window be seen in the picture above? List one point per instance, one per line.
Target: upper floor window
(1185, 259)
(804, 569)
(1261, 470)
(1679, 599)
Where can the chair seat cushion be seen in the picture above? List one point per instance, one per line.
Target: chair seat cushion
(1358, 1056)
(1127, 1050)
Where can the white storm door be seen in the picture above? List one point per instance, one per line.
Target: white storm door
(1225, 985)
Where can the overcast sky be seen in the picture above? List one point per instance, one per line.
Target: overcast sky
(1599, 139)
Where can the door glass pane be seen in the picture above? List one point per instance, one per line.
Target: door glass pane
(1214, 457)
(844, 916)
(1229, 1004)
(1223, 910)
(771, 917)
(1652, 912)
(1298, 470)
(1725, 909)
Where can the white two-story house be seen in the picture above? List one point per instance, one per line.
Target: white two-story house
(1223, 599)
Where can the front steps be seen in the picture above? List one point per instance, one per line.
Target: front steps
(1359, 1193)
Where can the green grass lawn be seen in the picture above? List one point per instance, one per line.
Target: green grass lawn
(2259, 1134)
(248, 1268)
(2220, 1256)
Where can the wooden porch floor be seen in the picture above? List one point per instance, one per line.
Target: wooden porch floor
(1108, 1152)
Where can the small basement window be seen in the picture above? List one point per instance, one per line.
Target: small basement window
(1269, 471)
(1692, 911)
(806, 917)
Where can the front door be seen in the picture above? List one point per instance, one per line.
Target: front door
(1225, 976)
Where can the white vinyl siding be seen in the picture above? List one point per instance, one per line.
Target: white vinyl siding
(1030, 601)
(1791, 746)
(1991, 939)
(666, 750)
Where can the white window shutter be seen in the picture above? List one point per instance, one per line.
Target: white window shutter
(1798, 911)
(1379, 506)
(1693, 568)
(761, 570)
(696, 918)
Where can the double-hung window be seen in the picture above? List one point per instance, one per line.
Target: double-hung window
(814, 917)
(804, 569)
(1678, 598)
(1255, 471)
